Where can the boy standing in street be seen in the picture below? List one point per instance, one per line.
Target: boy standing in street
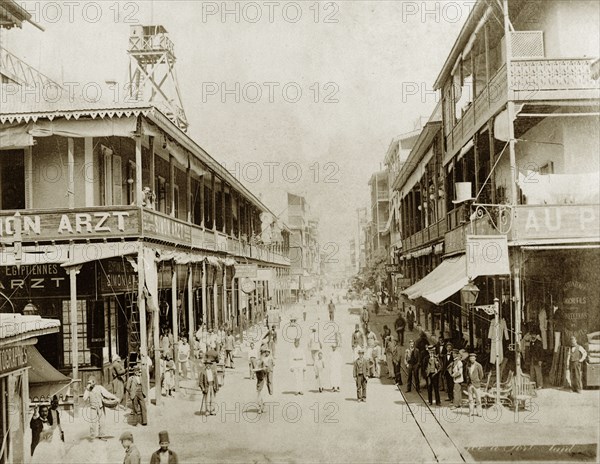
(361, 372)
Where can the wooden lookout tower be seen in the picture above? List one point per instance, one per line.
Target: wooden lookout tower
(152, 76)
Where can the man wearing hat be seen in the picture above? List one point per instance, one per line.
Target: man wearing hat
(361, 373)
(132, 454)
(446, 374)
(95, 394)
(457, 378)
(164, 454)
(118, 377)
(207, 381)
(431, 368)
(264, 373)
(474, 381)
(298, 366)
(137, 393)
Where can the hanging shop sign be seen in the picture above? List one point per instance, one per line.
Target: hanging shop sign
(487, 255)
(69, 225)
(12, 358)
(247, 285)
(246, 271)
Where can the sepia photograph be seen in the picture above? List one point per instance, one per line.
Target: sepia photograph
(305, 231)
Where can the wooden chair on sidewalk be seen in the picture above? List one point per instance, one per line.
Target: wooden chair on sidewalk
(523, 391)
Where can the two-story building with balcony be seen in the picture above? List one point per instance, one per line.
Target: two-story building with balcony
(117, 223)
(520, 118)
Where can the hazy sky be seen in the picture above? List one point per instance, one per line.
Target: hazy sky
(356, 64)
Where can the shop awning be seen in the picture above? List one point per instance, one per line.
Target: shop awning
(44, 380)
(441, 283)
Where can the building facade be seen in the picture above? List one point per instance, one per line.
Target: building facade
(514, 168)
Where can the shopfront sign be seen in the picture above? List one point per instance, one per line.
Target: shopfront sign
(34, 280)
(12, 358)
(556, 222)
(576, 305)
(86, 224)
(117, 276)
(163, 227)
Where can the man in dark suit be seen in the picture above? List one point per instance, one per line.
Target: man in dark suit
(137, 393)
(412, 361)
(361, 373)
(447, 360)
(430, 365)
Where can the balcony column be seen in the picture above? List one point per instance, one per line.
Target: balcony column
(223, 208)
(202, 209)
(141, 302)
(492, 161)
(71, 172)
(89, 175)
(152, 168)
(188, 192)
(213, 200)
(138, 171)
(225, 309)
(172, 185)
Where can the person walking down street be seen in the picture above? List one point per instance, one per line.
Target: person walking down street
(390, 347)
(386, 335)
(400, 326)
(208, 383)
(314, 344)
(412, 360)
(271, 338)
(447, 360)
(118, 377)
(576, 357)
(431, 367)
(410, 319)
(331, 309)
(358, 341)
(183, 356)
(319, 371)
(95, 394)
(376, 355)
(264, 374)
(474, 381)
(371, 337)
(335, 368)
(304, 312)
(132, 454)
(397, 359)
(229, 347)
(298, 366)
(163, 455)
(137, 393)
(252, 360)
(457, 378)
(361, 373)
(364, 317)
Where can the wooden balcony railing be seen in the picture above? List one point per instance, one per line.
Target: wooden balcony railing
(428, 235)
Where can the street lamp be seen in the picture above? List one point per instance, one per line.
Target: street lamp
(469, 294)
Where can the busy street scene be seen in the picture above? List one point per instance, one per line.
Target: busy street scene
(356, 231)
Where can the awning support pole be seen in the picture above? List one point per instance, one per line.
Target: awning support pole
(73, 271)
(174, 319)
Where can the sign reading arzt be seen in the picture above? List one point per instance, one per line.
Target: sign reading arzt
(53, 226)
